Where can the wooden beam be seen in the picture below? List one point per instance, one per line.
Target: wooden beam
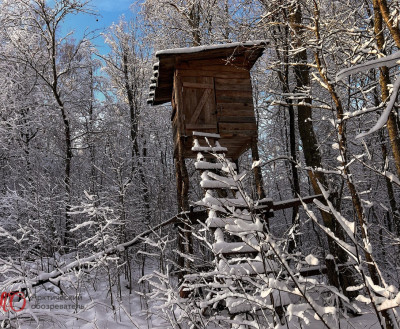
(280, 205)
(318, 270)
(202, 215)
(213, 73)
(192, 216)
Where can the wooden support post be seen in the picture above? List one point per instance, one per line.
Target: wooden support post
(258, 179)
(178, 176)
(185, 243)
(183, 199)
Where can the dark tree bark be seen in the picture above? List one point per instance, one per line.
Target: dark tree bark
(310, 146)
(283, 75)
(382, 13)
(373, 271)
(384, 81)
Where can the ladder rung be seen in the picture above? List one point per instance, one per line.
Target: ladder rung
(222, 221)
(250, 267)
(241, 305)
(205, 165)
(222, 179)
(217, 148)
(213, 184)
(209, 135)
(210, 200)
(211, 149)
(240, 226)
(229, 248)
(215, 222)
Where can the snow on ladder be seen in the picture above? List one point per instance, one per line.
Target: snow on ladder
(230, 215)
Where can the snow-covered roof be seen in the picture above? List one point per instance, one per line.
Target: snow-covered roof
(198, 49)
(167, 60)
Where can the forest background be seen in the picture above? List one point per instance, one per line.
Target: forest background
(86, 165)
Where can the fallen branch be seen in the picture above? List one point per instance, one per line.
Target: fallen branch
(18, 284)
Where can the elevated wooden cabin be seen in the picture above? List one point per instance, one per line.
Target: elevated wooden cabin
(210, 91)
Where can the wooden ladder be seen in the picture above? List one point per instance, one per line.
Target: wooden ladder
(234, 226)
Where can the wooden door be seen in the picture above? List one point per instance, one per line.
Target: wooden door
(199, 106)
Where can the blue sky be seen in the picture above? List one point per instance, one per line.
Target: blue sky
(109, 11)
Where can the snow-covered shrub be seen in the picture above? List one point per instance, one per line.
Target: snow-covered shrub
(247, 291)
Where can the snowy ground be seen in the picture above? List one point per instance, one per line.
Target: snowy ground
(92, 309)
(85, 305)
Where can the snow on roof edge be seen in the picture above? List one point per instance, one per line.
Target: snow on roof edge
(190, 50)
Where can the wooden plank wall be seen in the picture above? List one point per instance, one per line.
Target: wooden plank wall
(233, 102)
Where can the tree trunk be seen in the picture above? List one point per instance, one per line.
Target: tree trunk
(132, 96)
(258, 179)
(384, 81)
(390, 21)
(310, 147)
(68, 156)
(381, 10)
(67, 180)
(67, 240)
(283, 76)
(185, 243)
(373, 271)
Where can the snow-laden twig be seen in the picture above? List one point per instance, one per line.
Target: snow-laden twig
(380, 296)
(388, 61)
(385, 114)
